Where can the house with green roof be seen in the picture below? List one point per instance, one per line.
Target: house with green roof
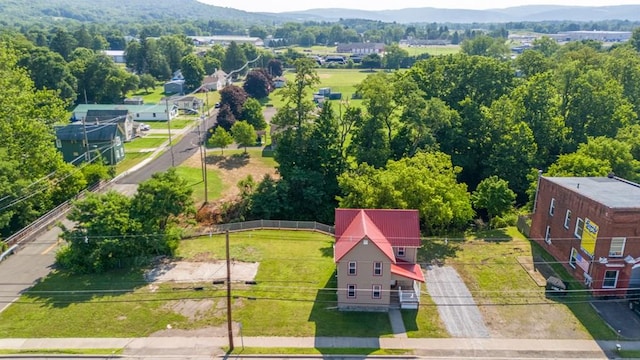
(145, 112)
(80, 143)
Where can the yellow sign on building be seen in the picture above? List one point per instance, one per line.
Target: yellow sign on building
(589, 237)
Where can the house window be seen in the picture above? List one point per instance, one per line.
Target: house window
(352, 268)
(579, 228)
(552, 207)
(400, 251)
(376, 292)
(573, 260)
(547, 235)
(351, 291)
(154, 114)
(567, 219)
(377, 268)
(58, 143)
(610, 279)
(617, 246)
(137, 115)
(118, 141)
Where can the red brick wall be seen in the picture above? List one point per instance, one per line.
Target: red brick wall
(612, 223)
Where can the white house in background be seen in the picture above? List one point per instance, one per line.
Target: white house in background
(215, 81)
(116, 55)
(225, 40)
(147, 112)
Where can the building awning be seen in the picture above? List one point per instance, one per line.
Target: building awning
(410, 271)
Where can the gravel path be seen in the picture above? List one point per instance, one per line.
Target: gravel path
(456, 306)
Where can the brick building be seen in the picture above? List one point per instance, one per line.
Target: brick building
(592, 226)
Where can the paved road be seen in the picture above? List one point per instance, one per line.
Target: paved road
(456, 306)
(617, 314)
(174, 156)
(34, 261)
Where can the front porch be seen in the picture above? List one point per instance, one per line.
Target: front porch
(405, 295)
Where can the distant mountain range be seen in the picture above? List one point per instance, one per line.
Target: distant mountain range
(17, 11)
(511, 14)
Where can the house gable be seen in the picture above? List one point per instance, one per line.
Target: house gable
(361, 229)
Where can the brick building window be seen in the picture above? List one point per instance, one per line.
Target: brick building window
(610, 279)
(617, 246)
(547, 235)
(579, 228)
(567, 219)
(351, 291)
(552, 207)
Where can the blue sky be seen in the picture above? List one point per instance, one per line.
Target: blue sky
(289, 5)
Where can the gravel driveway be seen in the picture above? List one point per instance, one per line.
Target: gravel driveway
(456, 306)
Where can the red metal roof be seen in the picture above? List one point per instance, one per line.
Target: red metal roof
(411, 271)
(360, 226)
(399, 227)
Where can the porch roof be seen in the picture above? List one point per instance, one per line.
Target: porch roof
(407, 270)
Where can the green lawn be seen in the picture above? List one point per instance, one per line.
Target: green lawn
(294, 295)
(131, 159)
(153, 97)
(24, 352)
(195, 182)
(175, 124)
(339, 80)
(146, 142)
(510, 301)
(254, 153)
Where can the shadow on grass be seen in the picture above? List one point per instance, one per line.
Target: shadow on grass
(331, 323)
(576, 301)
(61, 289)
(494, 235)
(231, 162)
(436, 251)
(327, 251)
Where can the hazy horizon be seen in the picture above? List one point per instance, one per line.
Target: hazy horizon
(287, 5)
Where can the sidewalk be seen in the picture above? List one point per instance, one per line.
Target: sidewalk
(460, 347)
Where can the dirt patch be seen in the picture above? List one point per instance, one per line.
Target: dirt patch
(218, 331)
(192, 309)
(182, 271)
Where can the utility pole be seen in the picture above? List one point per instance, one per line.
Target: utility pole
(203, 161)
(173, 161)
(87, 155)
(229, 323)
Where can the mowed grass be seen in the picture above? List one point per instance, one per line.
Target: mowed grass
(175, 124)
(193, 176)
(294, 295)
(512, 304)
(145, 143)
(110, 305)
(295, 282)
(130, 160)
(339, 80)
(254, 153)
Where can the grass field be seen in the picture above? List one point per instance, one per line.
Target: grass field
(175, 124)
(145, 143)
(512, 304)
(131, 159)
(193, 176)
(339, 80)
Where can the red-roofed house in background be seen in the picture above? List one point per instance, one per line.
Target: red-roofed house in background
(375, 254)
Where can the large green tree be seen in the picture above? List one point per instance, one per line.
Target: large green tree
(193, 71)
(426, 182)
(494, 196)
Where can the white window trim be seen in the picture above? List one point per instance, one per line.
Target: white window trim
(374, 268)
(575, 230)
(624, 243)
(552, 207)
(567, 219)
(377, 288)
(547, 235)
(355, 291)
(572, 257)
(615, 283)
(354, 267)
(401, 251)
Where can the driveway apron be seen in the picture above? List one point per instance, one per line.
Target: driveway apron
(456, 306)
